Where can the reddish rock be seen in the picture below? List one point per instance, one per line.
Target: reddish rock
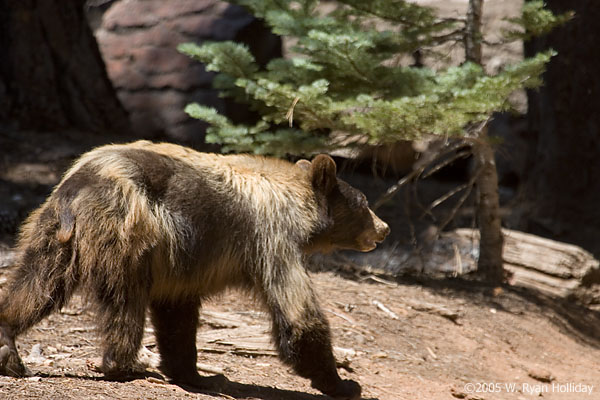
(130, 14)
(156, 60)
(154, 100)
(173, 115)
(223, 23)
(124, 75)
(113, 45)
(160, 36)
(193, 78)
(138, 40)
(194, 25)
(172, 9)
(116, 45)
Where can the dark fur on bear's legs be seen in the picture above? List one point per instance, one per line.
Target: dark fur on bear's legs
(122, 328)
(309, 351)
(10, 362)
(303, 337)
(42, 284)
(122, 312)
(175, 325)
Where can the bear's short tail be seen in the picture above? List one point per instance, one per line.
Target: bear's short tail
(66, 224)
(46, 274)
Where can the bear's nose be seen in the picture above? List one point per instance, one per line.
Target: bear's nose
(382, 229)
(386, 229)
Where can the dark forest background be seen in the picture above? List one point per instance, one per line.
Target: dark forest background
(53, 81)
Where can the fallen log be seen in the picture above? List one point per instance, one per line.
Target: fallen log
(554, 268)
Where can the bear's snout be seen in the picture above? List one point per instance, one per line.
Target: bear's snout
(376, 234)
(381, 228)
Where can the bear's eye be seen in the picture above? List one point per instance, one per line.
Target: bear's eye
(362, 200)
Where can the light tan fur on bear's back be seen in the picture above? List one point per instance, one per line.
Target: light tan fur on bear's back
(277, 194)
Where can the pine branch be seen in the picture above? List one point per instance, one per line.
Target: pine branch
(343, 84)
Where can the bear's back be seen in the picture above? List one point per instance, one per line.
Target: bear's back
(150, 166)
(191, 200)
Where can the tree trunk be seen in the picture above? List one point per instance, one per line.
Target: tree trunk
(51, 73)
(488, 216)
(473, 35)
(488, 212)
(563, 185)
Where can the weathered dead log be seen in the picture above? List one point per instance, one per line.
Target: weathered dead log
(554, 268)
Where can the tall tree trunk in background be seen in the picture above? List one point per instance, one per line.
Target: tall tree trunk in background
(488, 216)
(51, 73)
(563, 186)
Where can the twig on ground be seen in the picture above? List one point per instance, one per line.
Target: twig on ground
(386, 310)
(378, 280)
(435, 309)
(210, 369)
(342, 316)
(254, 353)
(431, 352)
(153, 379)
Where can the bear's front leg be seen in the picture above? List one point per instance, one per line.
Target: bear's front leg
(302, 334)
(309, 348)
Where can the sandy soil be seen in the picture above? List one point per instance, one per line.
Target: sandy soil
(437, 340)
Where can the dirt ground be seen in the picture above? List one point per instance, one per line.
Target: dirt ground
(416, 338)
(437, 340)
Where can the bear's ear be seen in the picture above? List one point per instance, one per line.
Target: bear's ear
(304, 164)
(323, 172)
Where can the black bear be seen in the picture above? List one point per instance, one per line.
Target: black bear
(161, 227)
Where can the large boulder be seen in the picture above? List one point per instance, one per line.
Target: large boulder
(138, 40)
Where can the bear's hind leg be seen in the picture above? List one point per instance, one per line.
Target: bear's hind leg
(175, 325)
(122, 314)
(10, 362)
(42, 284)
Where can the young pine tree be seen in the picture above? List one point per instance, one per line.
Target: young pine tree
(349, 81)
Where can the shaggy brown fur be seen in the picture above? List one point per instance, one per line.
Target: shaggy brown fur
(162, 227)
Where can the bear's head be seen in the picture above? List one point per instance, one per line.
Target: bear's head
(346, 222)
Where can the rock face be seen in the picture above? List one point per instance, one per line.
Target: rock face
(138, 40)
